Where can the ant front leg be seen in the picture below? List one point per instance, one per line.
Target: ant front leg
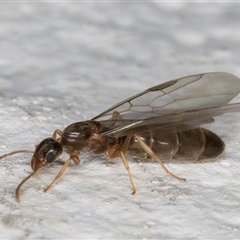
(73, 157)
(57, 132)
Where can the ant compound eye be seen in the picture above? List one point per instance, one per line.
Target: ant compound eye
(50, 156)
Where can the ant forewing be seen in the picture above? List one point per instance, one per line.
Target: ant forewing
(162, 123)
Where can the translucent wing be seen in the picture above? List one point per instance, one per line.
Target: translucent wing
(187, 93)
(178, 121)
(190, 100)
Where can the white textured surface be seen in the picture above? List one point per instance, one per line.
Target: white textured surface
(66, 62)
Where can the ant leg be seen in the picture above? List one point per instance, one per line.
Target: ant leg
(122, 155)
(115, 152)
(154, 155)
(60, 173)
(73, 157)
(59, 132)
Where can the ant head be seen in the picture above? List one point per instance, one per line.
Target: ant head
(46, 152)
